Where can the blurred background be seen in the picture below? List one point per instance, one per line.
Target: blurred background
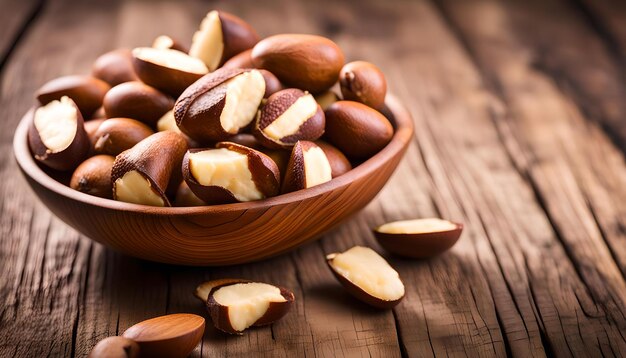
(520, 115)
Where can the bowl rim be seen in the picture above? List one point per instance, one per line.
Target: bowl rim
(403, 133)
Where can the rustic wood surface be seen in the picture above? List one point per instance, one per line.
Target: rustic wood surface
(520, 115)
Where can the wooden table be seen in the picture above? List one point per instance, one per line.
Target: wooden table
(520, 114)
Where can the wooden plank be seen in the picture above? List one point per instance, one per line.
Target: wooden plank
(567, 159)
(571, 53)
(42, 260)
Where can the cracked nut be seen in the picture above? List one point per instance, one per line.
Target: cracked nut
(356, 129)
(165, 42)
(419, 238)
(220, 104)
(289, 116)
(143, 173)
(308, 62)
(115, 347)
(86, 91)
(220, 37)
(236, 304)
(230, 173)
(93, 176)
(115, 67)
(363, 82)
(279, 156)
(138, 101)
(367, 276)
(173, 336)
(170, 71)
(312, 164)
(115, 135)
(57, 135)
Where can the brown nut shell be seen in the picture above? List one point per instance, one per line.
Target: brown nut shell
(199, 108)
(236, 37)
(115, 347)
(93, 176)
(356, 129)
(138, 101)
(115, 67)
(185, 197)
(420, 245)
(220, 313)
(363, 82)
(154, 69)
(308, 62)
(68, 158)
(157, 158)
(272, 84)
(86, 91)
(264, 171)
(361, 293)
(279, 156)
(173, 336)
(240, 60)
(277, 104)
(165, 42)
(91, 127)
(115, 135)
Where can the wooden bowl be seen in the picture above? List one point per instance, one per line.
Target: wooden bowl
(221, 234)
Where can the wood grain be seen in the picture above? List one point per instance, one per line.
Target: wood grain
(517, 135)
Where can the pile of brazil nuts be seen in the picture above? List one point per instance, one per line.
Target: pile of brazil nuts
(232, 118)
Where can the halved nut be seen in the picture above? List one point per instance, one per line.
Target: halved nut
(235, 305)
(170, 71)
(165, 42)
(115, 135)
(93, 176)
(289, 116)
(367, 276)
(308, 166)
(138, 101)
(143, 173)
(87, 92)
(220, 104)
(220, 37)
(115, 67)
(57, 135)
(419, 238)
(230, 173)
